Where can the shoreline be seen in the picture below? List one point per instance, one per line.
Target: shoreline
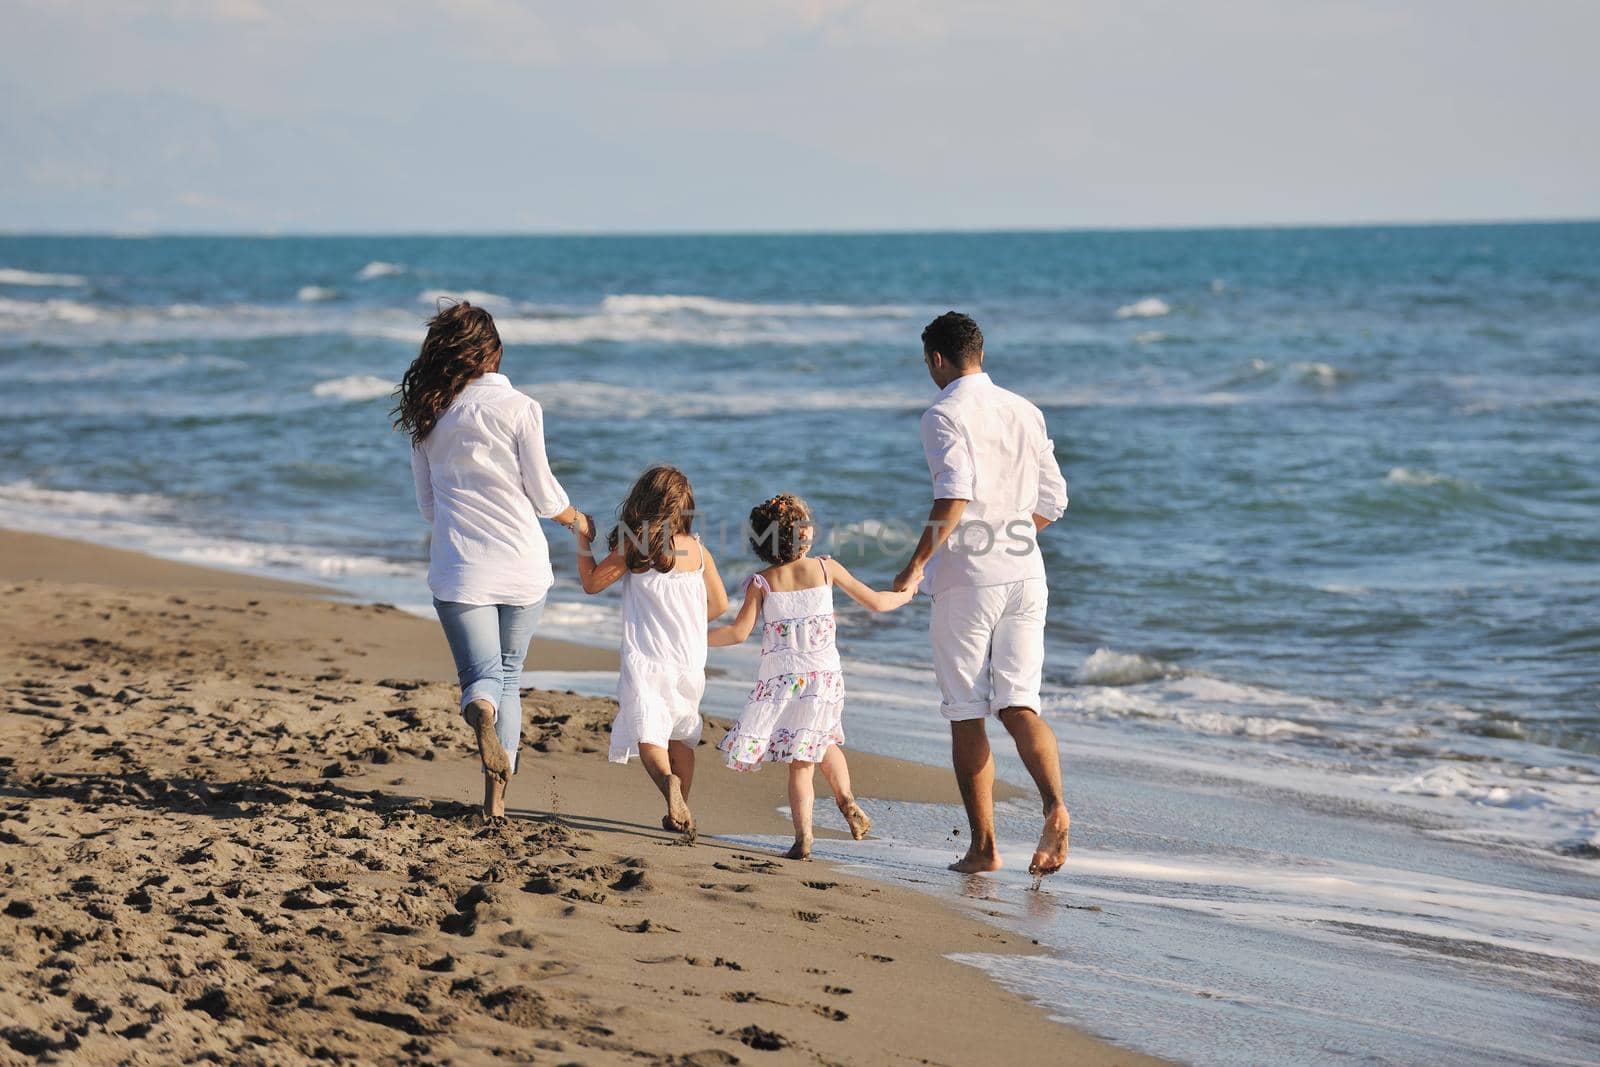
(242, 788)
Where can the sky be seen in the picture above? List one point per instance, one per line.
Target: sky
(458, 116)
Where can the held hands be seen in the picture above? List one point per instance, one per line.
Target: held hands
(900, 598)
(907, 580)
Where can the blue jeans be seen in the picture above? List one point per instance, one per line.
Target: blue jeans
(489, 643)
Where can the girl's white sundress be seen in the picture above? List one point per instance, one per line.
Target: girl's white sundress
(663, 673)
(796, 709)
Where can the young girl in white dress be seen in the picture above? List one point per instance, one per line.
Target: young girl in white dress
(670, 591)
(794, 714)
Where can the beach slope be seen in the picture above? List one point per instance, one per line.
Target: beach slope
(236, 823)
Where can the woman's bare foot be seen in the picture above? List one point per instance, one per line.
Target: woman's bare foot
(858, 820)
(480, 716)
(494, 796)
(977, 861)
(800, 850)
(679, 817)
(1052, 850)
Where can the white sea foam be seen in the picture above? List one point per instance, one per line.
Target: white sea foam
(1149, 337)
(314, 293)
(602, 398)
(1323, 375)
(669, 303)
(471, 296)
(1459, 783)
(59, 319)
(1106, 667)
(24, 496)
(149, 522)
(379, 269)
(1407, 476)
(45, 312)
(16, 276)
(354, 387)
(1124, 704)
(1150, 307)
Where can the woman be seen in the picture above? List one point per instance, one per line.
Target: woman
(477, 455)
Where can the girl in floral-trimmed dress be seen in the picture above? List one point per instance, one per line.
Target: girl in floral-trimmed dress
(794, 713)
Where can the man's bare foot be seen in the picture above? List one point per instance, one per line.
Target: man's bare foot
(480, 716)
(800, 850)
(858, 819)
(494, 796)
(977, 861)
(679, 817)
(1052, 850)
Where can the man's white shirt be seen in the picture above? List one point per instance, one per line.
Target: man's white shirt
(988, 446)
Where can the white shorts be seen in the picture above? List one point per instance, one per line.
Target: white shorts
(988, 647)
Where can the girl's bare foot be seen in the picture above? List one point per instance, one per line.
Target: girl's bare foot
(678, 815)
(480, 716)
(856, 818)
(800, 850)
(1052, 850)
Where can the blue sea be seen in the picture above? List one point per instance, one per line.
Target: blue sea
(1324, 639)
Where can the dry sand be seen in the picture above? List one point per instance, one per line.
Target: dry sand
(236, 824)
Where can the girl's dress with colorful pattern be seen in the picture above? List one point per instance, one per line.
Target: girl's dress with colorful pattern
(796, 709)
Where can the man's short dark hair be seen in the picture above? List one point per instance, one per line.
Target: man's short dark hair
(956, 337)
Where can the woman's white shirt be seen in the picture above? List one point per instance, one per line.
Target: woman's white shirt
(484, 482)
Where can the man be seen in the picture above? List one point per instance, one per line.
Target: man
(996, 484)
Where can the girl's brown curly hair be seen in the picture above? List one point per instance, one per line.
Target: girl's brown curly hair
(775, 528)
(659, 506)
(462, 343)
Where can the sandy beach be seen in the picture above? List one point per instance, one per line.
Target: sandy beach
(237, 823)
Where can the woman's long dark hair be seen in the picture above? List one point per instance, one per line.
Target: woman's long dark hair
(659, 506)
(462, 343)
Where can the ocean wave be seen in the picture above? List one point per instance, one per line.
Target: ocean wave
(669, 303)
(379, 269)
(1150, 307)
(34, 312)
(313, 293)
(471, 296)
(354, 387)
(17, 276)
(26, 495)
(95, 367)
(1105, 667)
(1322, 375)
(1407, 476)
(1109, 702)
(606, 399)
(152, 523)
(1149, 337)
(1457, 782)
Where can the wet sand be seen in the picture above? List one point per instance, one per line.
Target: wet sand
(237, 822)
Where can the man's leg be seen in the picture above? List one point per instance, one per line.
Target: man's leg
(1017, 668)
(1036, 744)
(974, 765)
(960, 628)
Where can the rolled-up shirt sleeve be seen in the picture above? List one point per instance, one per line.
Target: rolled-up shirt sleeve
(423, 479)
(949, 457)
(1052, 503)
(538, 481)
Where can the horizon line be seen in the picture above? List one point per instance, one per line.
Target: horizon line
(133, 234)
